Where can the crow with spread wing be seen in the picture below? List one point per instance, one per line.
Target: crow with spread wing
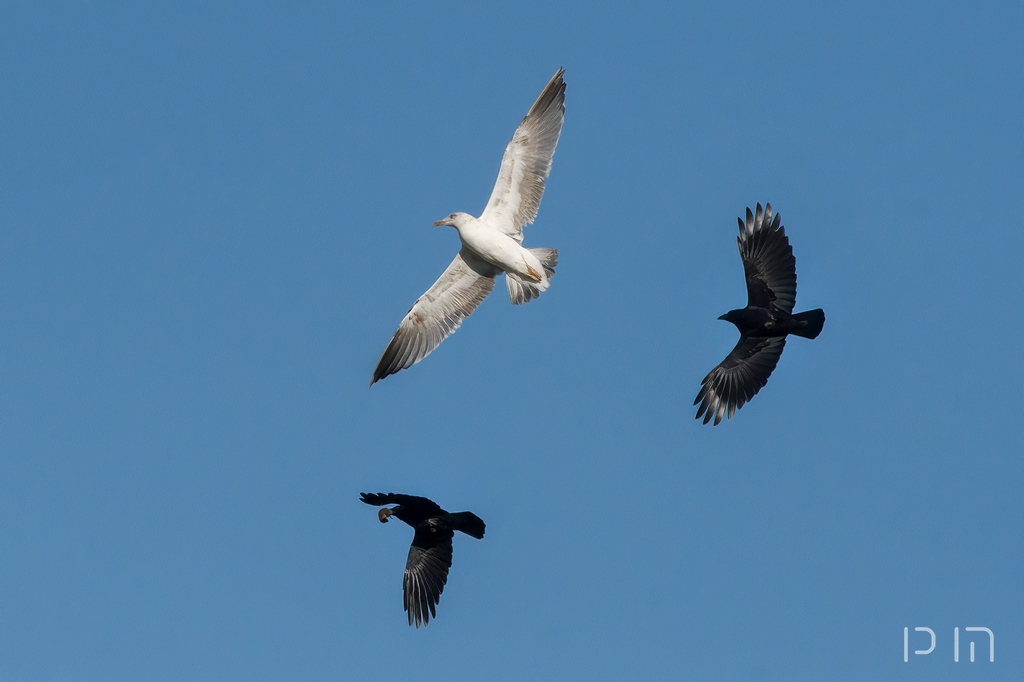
(770, 270)
(430, 557)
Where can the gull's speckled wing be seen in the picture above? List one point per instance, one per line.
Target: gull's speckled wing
(438, 313)
(526, 164)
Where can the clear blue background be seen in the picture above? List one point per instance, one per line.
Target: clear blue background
(214, 215)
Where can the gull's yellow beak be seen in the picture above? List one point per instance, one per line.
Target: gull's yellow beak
(439, 223)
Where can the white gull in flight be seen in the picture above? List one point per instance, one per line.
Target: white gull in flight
(491, 244)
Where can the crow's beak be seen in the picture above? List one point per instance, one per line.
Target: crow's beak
(724, 317)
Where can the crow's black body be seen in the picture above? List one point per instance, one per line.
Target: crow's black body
(430, 557)
(770, 270)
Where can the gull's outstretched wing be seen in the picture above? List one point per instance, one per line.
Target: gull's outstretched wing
(527, 163)
(438, 313)
(739, 377)
(426, 572)
(768, 261)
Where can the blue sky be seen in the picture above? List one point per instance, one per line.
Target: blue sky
(214, 215)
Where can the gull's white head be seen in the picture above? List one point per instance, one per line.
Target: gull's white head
(455, 220)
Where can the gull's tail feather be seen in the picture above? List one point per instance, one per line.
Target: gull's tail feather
(520, 291)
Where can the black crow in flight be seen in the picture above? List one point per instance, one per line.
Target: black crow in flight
(770, 269)
(430, 557)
